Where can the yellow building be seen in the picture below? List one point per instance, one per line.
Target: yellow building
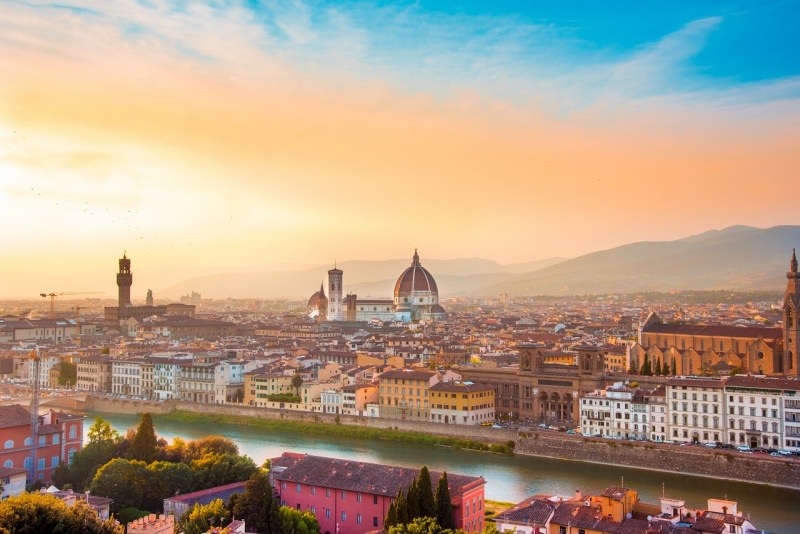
(461, 403)
(404, 393)
(258, 386)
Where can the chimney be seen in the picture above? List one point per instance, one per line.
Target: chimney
(578, 495)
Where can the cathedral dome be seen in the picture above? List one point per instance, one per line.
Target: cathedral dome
(317, 298)
(415, 280)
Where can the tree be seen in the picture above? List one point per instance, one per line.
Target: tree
(427, 504)
(104, 444)
(101, 432)
(219, 469)
(647, 369)
(125, 481)
(665, 368)
(197, 448)
(297, 522)
(258, 505)
(391, 516)
(67, 373)
(201, 517)
(658, 366)
(168, 479)
(421, 525)
(412, 499)
(33, 513)
(401, 507)
(674, 369)
(297, 381)
(144, 445)
(444, 506)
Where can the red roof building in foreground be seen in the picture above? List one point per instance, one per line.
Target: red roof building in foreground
(352, 497)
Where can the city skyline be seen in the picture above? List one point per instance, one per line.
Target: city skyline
(245, 136)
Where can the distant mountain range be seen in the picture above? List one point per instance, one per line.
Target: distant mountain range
(739, 258)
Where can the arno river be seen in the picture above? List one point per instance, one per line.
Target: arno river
(508, 478)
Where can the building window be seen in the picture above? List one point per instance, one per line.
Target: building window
(8, 463)
(344, 517)
(73, 431)
(297, 489)
(358, 497)
(327, 513)
(344, 495)
(9, 444)
(327, 492)
(358, 519)
(374, 499)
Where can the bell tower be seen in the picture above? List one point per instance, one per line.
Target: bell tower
(124, 281)
(335, 294)
(791, 327)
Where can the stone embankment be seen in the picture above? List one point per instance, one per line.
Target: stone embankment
(688, 460)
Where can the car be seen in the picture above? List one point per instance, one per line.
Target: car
(774, 454)
(784, 452)
(744, 448)
(710, 444)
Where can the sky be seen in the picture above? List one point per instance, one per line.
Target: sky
(206, 137)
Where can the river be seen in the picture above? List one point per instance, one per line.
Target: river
(508, 478)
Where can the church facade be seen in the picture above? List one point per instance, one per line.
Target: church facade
(722, 350)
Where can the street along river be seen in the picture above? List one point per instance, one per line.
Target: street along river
(508, 478)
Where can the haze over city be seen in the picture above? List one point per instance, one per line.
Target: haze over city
(249, 136)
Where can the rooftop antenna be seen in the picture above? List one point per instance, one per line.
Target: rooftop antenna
(662, 490)
(622, 480)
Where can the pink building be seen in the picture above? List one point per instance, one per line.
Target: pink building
(350, 497)
(60, 436)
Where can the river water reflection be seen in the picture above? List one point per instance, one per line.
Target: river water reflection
(508, 478)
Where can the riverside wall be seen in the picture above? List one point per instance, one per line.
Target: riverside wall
(699, 461)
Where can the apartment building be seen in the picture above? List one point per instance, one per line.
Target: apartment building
(259, 385)
(60, 436)
(404, 393)
(461, 403)
(756, 411)
(94, 374)
(696, 409)
(353, 497)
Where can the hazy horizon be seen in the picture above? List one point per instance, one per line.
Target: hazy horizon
(206, 138)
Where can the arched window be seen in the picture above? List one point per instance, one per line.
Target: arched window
(27, 442)
(8, 463)
(72, 431)
(9, 444)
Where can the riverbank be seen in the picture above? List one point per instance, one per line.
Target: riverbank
(641, 455)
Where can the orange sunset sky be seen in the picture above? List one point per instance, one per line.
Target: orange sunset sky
(254, 136)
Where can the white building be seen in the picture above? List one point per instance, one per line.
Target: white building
(696, 409)
(756, 411)
(126, 377)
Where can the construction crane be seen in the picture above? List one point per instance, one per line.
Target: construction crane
(54, 295)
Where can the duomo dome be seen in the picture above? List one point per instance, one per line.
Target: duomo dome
(416, 295)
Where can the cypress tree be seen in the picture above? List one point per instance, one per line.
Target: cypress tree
(658, 367)
(144, 445)
(401, 507)
(444, 507)
(391, 517)
(427, 504)
(665, 370)
(412, 500)
(674, 370)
